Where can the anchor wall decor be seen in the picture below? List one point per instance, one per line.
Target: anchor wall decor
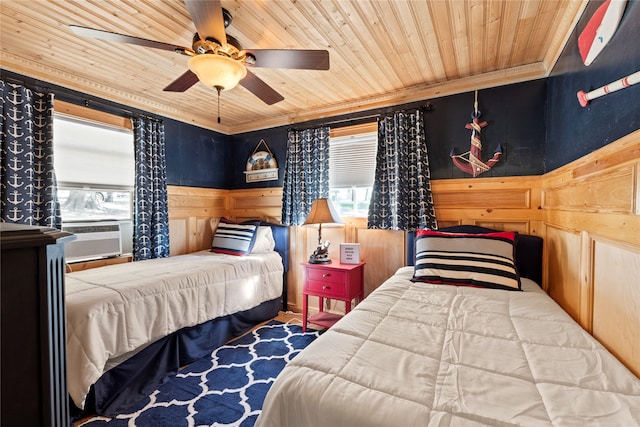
(471, 161)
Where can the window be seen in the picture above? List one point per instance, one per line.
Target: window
(95, 169)
(352, 161)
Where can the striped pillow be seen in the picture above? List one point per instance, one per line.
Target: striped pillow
(479, 260)
(233, 238)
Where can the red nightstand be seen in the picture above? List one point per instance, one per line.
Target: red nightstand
(337, 281)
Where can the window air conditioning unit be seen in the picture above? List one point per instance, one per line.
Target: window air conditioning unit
(94, 240)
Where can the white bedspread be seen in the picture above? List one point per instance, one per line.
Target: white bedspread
(114, 312)
(413, 354)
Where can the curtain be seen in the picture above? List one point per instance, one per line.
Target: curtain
(151, 218)
(401, 197)
(306, 173)
(28, 192)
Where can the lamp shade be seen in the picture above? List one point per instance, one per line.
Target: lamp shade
(322, 212)
(217, 71)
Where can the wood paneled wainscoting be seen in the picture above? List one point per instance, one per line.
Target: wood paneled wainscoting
(592, 221)
(511, 204)
(587, 212)
(190, 210)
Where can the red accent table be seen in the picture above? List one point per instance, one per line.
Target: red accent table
(342, 282)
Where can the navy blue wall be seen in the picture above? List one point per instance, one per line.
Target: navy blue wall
(242, 147)
(515, 116)
(196, 157)
(574, 131)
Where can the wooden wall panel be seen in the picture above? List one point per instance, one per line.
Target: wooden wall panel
(178, 236)
(383, 250)
(506, 198)
(605, 191)
(510, 204)
(259, 203)
(598, 193)
(563, 267)
(592, 244)
(189, 212)
(616, 299)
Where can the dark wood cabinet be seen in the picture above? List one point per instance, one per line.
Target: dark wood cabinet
(33, 379)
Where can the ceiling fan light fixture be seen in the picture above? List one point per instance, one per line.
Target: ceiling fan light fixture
(217, 70)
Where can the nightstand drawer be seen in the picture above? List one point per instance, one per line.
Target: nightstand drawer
(327, 275)
(326, 289)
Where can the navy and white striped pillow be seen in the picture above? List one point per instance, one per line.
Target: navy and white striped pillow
(480, 260)
(233, 238)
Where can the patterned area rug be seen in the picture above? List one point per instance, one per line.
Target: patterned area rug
(226, 389)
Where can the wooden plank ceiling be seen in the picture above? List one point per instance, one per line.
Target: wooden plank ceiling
(381, 52)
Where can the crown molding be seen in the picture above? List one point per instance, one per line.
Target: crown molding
(404, 96)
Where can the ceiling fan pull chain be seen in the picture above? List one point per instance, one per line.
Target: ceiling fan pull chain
(218, 88)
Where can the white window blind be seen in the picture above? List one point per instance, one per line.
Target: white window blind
(352, 160)
(92, 154)
(352, 163)
(95, 170)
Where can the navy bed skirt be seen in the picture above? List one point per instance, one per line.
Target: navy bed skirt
(134, 379)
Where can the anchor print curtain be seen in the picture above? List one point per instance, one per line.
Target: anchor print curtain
(151, 218)
(306, 173)
(401, 197)
(27, 179)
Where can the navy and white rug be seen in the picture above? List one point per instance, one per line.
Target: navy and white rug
(227, 389)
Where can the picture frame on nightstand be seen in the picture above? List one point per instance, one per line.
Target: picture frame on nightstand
(349, 253)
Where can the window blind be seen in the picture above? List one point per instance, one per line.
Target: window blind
(352, 160)
(90, 153)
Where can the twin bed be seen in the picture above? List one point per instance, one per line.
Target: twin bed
(492, 350)
(131, 325)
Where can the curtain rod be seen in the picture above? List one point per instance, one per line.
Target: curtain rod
(351, 120)
(78, 98)
(427, 107)
(345, 122)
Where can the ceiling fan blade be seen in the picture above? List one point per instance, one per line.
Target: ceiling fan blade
(123, 38)
(291, 58)
(208, 19)
(260, 89)
(182, 83)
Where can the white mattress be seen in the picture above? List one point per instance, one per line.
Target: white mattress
(114, 312)
(414, 354)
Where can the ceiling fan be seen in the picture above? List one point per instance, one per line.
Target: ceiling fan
(217, 59)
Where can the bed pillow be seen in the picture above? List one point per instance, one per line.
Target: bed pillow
(265, 242)
(480, 260)
(234, 238)
(213, 225)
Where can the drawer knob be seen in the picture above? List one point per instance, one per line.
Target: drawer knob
(326, 287)
(326, 275)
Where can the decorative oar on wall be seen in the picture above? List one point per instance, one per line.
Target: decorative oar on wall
(471, 161)
(624, 82)
(600, 29)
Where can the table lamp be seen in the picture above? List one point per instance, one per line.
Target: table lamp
(322, 212)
